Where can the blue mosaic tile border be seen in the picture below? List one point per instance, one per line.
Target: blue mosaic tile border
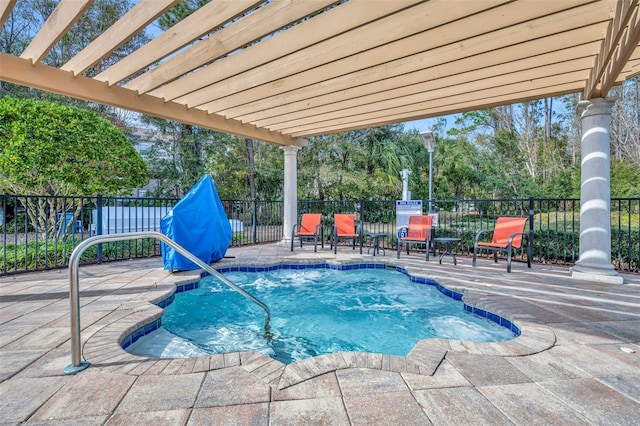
(294, 266)
(148, 328)
(492, 317)
(156, 324)
(142, 331)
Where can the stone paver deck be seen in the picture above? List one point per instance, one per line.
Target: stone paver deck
(577, 360)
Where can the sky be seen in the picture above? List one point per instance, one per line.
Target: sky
(429, 123)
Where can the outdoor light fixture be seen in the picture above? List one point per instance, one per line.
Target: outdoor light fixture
(428, 140)
(430, 144)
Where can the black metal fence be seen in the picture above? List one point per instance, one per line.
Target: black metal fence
(40, 233)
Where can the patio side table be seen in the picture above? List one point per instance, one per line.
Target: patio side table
(448, 242)
(376, 242)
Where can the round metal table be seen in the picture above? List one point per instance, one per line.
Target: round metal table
(376, 242)
(448, 243)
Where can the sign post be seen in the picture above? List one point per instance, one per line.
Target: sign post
(404, 209)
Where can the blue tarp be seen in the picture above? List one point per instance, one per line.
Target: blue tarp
(199, 224)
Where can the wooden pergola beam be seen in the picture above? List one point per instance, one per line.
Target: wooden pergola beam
(43, 77)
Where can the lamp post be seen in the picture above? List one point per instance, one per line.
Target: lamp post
(405, 184)
(429, 143)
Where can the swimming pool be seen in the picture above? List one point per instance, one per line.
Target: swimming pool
(317, 311)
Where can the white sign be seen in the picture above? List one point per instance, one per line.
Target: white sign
(404, 209)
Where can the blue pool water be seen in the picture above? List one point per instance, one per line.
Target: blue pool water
(314, 312)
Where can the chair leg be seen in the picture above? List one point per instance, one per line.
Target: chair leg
(399, 249)
(427, 250)
(473, 262)
(509, 259)
(315, 243)
(292, 238)
(495, 256)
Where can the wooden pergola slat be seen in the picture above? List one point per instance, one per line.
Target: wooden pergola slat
(435, 109)
(258, 24)
(142, 14)
(476, 90)
(628, 43)
(55, 27)
(6, 6)
(194, 26)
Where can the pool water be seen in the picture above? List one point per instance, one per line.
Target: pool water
(314, 312)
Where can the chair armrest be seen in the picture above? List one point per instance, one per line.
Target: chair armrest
(512, 236)
(477, 237)
(293, 230)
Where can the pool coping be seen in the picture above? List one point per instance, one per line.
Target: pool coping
(104, 349)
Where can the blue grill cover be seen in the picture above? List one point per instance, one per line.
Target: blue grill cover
(199, 224)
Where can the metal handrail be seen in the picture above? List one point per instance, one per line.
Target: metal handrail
(77, 364)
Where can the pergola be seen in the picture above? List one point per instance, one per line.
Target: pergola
(280, 71)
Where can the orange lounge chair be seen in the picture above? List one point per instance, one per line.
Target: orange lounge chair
(418, 232)
(507, 235)
(310, 227)
(344, 226)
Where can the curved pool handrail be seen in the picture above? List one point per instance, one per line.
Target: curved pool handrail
(77, 364)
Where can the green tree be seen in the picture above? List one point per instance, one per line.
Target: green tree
(229, 161)
(177, 154)
(625, 179)
(51, 149)
(457, 169)
(360, 163)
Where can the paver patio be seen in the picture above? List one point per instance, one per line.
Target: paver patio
(577, 360)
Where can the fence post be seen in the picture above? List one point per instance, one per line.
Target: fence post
(99, 227)
(255, 221)
(530, 239)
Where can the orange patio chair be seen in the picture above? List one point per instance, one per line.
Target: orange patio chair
(344, 227)
(418, 232)
(507, 236)
(310, 227)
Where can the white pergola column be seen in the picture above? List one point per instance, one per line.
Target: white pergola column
(290, 191)
(594, 263)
